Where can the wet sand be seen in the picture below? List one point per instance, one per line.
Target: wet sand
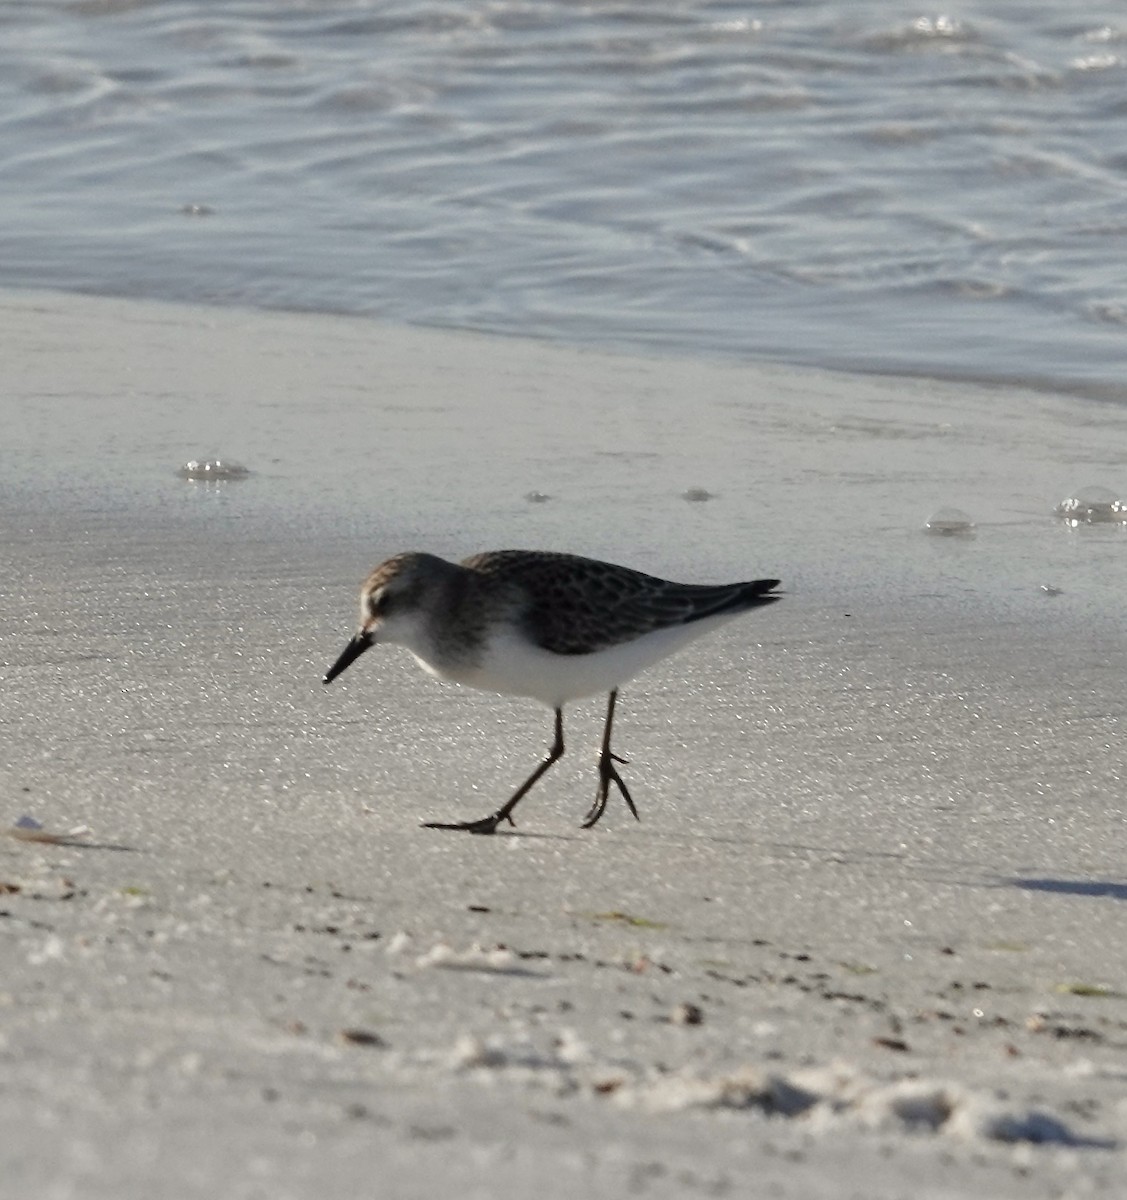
(866, 940)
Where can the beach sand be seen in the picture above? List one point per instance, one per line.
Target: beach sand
(867, 939)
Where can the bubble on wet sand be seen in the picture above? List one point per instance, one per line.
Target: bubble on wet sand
(537, 497)
(697, 495)
(212, 470)
(950, 522)
(1092, 505)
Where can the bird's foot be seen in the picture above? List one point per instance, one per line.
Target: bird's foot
(607, 776)
(484, 825)
(594, 812)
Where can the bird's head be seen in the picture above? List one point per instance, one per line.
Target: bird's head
(393, 605)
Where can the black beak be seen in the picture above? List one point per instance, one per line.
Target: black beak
(351, 653)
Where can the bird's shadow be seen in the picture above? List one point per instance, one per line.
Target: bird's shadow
(70, 843)
(1099, 888)
(522, 834)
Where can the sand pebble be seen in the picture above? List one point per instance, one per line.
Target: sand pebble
(361, 1037)
(397, 943)
(687, 1014)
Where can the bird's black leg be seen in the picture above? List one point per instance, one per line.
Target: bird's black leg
(607, 773)
(489, 824)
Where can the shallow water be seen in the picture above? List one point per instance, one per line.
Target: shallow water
(868, 185)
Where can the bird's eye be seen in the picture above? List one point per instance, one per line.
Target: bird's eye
(377, 603)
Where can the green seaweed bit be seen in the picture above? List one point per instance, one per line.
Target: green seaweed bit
(627, 919)
(1085, 989)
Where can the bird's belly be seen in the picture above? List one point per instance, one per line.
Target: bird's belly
(516, 667)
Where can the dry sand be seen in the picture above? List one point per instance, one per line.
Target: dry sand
(867, 941)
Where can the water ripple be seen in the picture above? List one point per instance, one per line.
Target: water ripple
(927, 192)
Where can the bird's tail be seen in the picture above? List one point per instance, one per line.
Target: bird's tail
(729, 599)
(753, 594)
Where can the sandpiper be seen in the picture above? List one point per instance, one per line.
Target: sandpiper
(555, 627)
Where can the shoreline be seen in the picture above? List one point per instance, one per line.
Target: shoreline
(881, 363)
(880, 841)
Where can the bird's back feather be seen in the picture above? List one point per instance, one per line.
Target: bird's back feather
(577, 605)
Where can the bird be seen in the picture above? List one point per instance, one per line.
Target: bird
(546, 625)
